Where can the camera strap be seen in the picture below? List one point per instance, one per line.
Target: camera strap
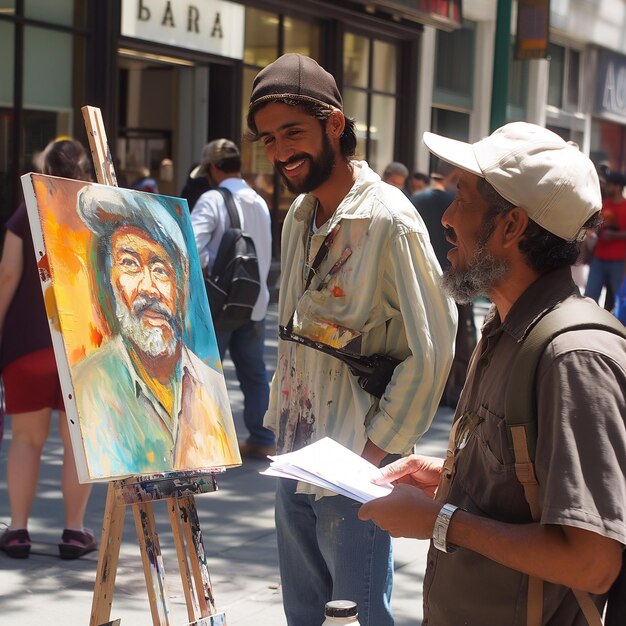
(322, 253)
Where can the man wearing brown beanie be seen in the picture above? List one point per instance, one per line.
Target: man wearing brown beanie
(359, 278)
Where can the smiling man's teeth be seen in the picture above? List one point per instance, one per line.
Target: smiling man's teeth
(293, 166)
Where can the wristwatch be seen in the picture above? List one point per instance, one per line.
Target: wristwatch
(440, 529)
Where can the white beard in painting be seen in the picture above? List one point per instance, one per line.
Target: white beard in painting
(154, 341)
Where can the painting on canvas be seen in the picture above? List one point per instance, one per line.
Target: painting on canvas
(136, 351)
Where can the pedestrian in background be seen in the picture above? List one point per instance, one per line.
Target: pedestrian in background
(221, 165)
(29, 373)
(396, 174)
(416, 183)
(194, 187)
(356, 265)
(606, 267)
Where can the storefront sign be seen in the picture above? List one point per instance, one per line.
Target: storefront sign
(611, 86)
(213, 26)
(533, 29)
(445, 14)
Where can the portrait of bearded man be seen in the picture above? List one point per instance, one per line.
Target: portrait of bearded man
(146, 402)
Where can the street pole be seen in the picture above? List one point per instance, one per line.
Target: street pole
(502, 54)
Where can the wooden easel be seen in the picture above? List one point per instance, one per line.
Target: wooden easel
(178, 489)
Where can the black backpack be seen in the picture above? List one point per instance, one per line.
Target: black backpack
(521, 420)
(234, 284)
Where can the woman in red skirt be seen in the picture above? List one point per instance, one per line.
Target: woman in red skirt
(29, 373)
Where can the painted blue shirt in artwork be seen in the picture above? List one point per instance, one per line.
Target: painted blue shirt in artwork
(125, 429)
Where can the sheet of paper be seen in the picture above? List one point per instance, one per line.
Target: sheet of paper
(330, 465)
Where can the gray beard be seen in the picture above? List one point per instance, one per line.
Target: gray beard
(150, 341)
(483, 272)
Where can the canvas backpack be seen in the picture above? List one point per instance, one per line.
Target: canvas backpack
(234, 284)
(521, 419)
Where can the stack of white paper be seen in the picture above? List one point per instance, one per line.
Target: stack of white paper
(330, 465)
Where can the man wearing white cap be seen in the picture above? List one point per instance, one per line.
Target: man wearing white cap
(524, 201)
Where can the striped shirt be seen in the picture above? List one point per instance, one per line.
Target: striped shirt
(387, 290)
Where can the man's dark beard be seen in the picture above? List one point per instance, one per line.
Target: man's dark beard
(320, 168)
(483, 271)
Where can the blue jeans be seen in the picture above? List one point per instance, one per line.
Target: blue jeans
(603, 274)
(246, 347)
(326, 553)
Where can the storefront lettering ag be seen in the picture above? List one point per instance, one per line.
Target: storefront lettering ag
(614, 96)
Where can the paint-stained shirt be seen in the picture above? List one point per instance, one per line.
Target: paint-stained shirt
(379, 283)
(126, 431)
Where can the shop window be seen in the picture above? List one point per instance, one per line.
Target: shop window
(7, 126)
(564, 81)
(57, 12)
(301, 38)
(48, 63)
(518, 89)
(355, 105)
(261, 37)
(453, 84)
(52, 85)
(385, 73)
(454, 67)
(382, 130)
(369, 94)
(453, 124)
(573, 79)
(356, 54)
(6, 63)
(555, 84)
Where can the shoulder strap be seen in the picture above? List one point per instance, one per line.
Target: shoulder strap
(521, 396)
(521, 417)
(230, 207)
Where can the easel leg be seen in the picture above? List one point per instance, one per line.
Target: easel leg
(152, 563)
(191, 597)
(199, 568)
(108, 557)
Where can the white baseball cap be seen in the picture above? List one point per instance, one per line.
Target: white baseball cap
(535, 169)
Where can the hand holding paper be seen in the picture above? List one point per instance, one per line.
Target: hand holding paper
(330, 465)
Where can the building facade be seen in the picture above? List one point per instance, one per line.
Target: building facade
(170, 75)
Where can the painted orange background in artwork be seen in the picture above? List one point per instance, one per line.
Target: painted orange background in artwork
(67, 236)
(119, 424)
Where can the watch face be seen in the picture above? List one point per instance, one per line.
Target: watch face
(439, 533)
(440, 529)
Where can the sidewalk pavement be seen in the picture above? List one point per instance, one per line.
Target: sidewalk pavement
(239, 538)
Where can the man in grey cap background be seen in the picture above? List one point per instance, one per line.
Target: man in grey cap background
(356, 263)
(524, 201)
(396, 173)
(146, 402)
(221, 164)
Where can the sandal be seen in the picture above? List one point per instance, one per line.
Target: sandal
(76, 543)
(16, 543)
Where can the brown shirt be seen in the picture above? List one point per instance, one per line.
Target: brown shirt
(580, 460)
